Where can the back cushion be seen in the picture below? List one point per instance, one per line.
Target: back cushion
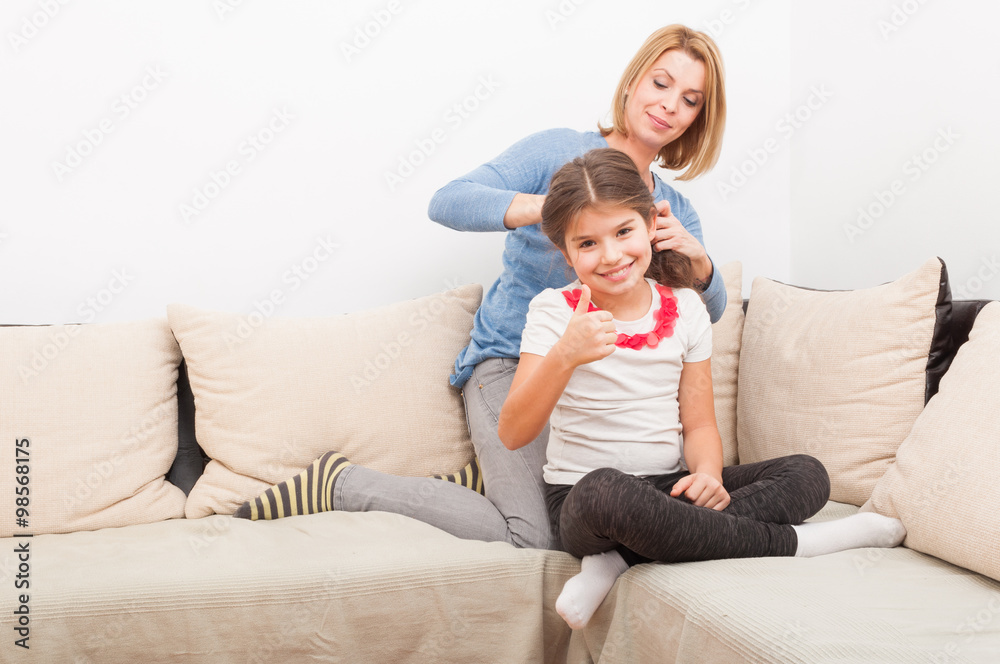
(271, 395)
(727, 335)
(839, 375)
(88, 414)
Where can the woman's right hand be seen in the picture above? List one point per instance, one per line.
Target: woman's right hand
(590, 335)
(524, 210)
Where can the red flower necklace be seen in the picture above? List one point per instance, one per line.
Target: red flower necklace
(665, 317)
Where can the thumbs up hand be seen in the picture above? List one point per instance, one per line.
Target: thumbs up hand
(590, 335)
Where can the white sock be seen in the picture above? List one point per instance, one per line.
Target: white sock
(582, 594)
(854, 532)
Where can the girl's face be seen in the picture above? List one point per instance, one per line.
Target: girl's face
(610, 249)
(664, 101)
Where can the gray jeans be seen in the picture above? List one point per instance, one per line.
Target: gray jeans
(513, 510)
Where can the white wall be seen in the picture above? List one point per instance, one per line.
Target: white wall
(899, 164)
(108, 240)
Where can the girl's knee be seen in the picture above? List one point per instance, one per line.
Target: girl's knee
(813, 468)
(592, 502)
(814, 477)
(601, 478)
(593, 488)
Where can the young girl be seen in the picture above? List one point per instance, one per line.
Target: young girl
(618, 365)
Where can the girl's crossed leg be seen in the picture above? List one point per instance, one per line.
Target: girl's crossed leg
(609, 510)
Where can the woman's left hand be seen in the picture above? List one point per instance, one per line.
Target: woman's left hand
(671, 234)
(703, 490)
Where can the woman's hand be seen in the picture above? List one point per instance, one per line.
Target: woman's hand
(590, 335)
(671, 234)
(524, 210)
(703, 490)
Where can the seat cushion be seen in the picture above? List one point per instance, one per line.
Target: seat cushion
(332, 587)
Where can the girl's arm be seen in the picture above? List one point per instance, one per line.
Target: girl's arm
(702, 443)
(540, 381)
(538, 384)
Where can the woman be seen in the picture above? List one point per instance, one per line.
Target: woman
(669, 106)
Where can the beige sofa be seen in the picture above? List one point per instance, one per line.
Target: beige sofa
(133, 557)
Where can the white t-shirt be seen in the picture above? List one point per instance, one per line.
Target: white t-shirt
(621, 411)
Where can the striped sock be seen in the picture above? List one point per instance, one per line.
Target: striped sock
(309, 492)
(469, 477)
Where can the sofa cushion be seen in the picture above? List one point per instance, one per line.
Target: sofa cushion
(273, 394)
(943, 485)
(727, 334)
(861, 605)
(838, 375)
(332, 587)
(89, 417)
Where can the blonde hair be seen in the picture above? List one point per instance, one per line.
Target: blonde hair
(697, 148)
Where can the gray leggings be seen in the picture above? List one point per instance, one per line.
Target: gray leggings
(513, 510)
(608, 509)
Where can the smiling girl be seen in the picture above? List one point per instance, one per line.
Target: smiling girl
(618, 364)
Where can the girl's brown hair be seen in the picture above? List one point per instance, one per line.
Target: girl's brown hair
(697, 148)
(605, 178)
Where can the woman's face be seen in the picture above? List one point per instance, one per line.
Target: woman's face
(664, 101)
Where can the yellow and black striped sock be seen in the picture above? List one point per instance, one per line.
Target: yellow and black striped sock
(308, 492)
(469, 477)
